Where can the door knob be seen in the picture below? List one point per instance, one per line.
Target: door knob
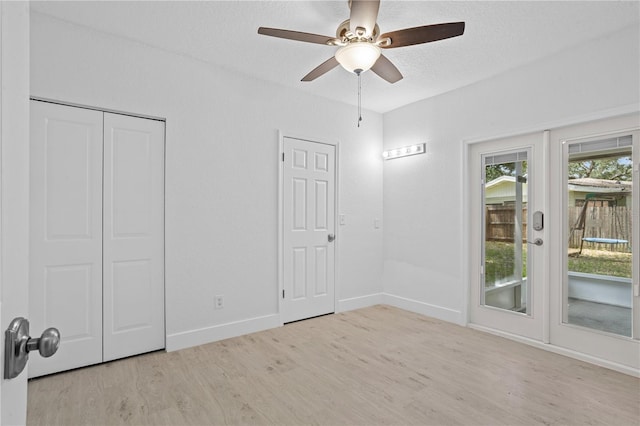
(18, 344)
(47, 344)
(537, 242)
(331, 237)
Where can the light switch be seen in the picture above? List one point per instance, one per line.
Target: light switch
(376, 223)
(342, 219)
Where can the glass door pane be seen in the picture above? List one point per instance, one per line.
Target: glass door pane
(599, 194)
(505, 254)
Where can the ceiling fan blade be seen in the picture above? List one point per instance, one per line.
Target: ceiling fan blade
(321, 69)
(385, 69)
(295, 35)
(364, 14)
(424, 34)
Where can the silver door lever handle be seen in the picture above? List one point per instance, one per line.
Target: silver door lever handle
(537, 242)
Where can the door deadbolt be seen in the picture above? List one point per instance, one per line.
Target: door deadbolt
(18, 344)
(538, 220)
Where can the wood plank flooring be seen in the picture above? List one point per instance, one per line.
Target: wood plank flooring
(374, 366)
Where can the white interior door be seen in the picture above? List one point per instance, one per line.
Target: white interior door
(133, 236)
(507, 273)
(66, 233)
(309, 229)
(14, 193)
(97, 234)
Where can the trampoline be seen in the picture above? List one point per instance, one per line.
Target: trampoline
(604, 240)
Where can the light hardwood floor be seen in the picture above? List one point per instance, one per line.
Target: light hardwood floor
(378, 365)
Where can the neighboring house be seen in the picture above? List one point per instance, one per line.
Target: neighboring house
(609, 192)
(501, 191)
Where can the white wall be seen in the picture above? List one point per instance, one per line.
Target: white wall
(221, 172)
(222, 167)
(423, 204)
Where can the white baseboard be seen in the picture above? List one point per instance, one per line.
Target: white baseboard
(561, 351)
(433, 311)
(205, 335)
(214, 333)
(360, 302)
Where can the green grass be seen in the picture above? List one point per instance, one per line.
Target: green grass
(499, 262)
(602, 263)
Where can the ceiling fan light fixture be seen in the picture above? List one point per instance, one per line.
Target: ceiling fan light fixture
(358, 56)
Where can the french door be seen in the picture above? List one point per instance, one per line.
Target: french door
(595, 304)
(507, 223)
(554, 239)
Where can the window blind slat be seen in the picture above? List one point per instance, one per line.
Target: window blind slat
(511, 157)
(600, 145)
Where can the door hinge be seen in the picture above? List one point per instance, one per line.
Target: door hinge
(283, 156)
(283, 293)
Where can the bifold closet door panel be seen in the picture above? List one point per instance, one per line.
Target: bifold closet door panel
(65, 282)
(133, 237)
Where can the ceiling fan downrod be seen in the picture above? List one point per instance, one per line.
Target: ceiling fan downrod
(359, 74)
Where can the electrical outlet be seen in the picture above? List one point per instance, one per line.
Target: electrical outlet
(218, 302)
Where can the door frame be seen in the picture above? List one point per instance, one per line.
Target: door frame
(336, 144)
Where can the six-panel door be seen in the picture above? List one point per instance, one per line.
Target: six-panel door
(309, 216)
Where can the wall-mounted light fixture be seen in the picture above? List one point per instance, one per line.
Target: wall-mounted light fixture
(404, 151)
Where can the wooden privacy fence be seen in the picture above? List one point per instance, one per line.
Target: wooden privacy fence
(600, 222)
(500, 223)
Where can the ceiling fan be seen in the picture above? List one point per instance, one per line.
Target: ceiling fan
(361, 43)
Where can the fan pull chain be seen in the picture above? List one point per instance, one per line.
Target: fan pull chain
(359, 96)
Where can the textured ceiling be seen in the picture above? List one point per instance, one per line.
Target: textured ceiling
(499, 36)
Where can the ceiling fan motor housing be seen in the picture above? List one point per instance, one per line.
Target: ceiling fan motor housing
(346, 36)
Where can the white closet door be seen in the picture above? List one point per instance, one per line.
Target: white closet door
(309, 229)
(133, 236)
(65, 289)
